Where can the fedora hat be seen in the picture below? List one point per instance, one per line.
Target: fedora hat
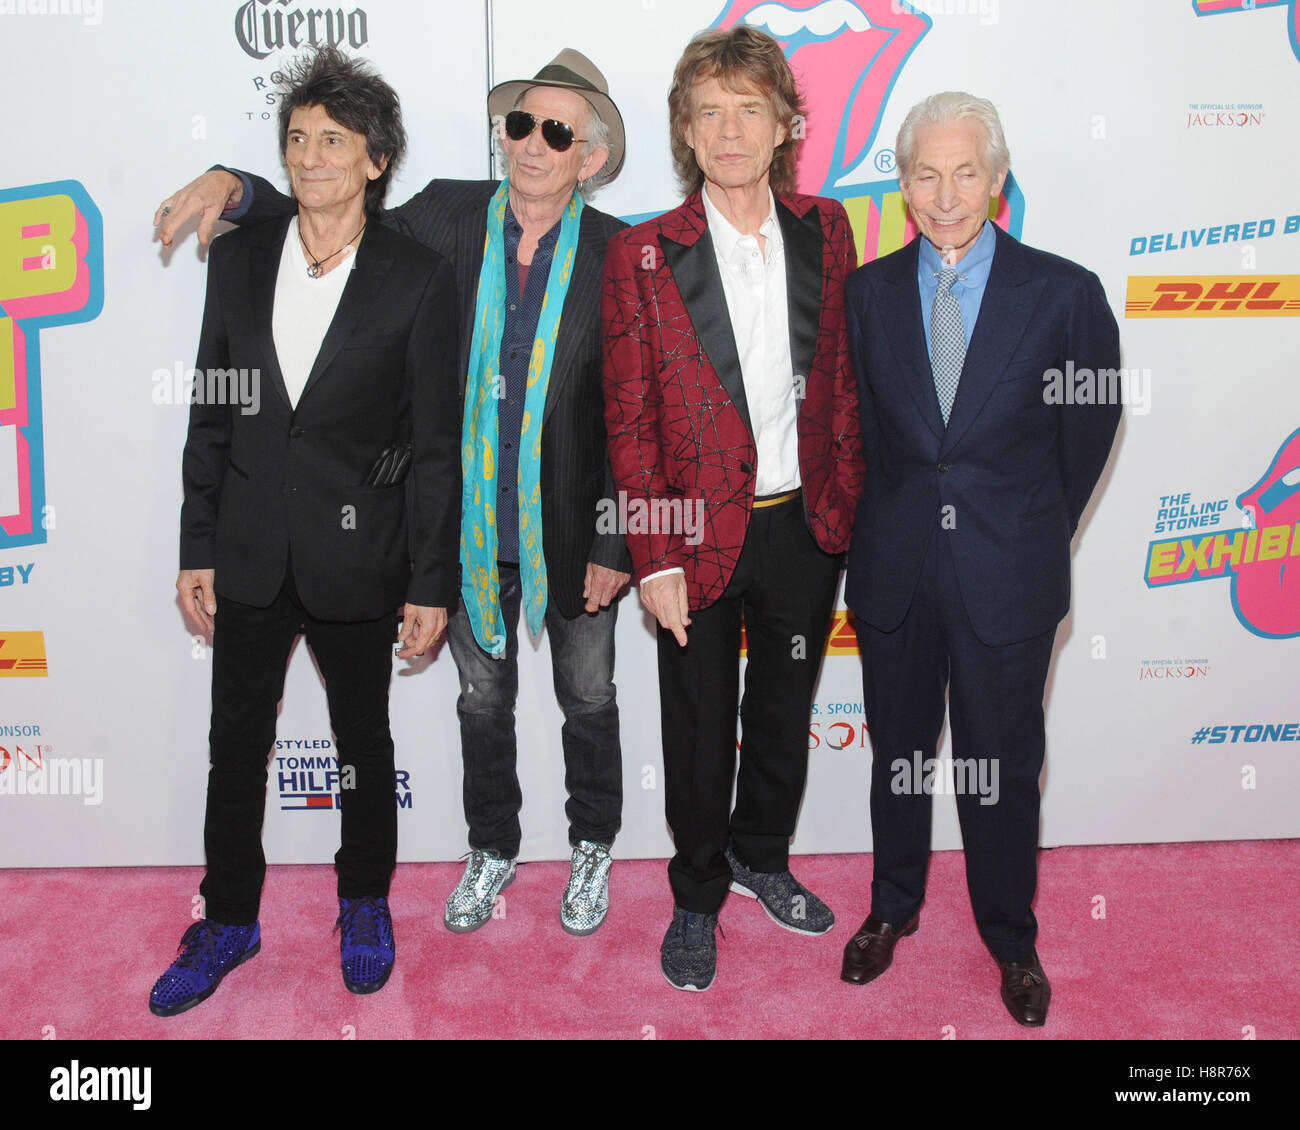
(570, 70)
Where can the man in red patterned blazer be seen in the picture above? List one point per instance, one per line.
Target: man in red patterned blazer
(736, 451)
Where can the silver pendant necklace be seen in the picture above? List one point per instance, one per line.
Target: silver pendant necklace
(314, 267)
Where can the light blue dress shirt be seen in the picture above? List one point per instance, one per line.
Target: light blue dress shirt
(972, 277)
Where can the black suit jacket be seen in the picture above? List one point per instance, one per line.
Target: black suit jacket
(1016, 468)
(262, 486)
(450, 216)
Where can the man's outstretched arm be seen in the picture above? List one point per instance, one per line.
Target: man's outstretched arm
(246, 199)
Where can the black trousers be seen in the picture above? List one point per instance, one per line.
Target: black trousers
(250, 648)
(783, 589)
(995, 702)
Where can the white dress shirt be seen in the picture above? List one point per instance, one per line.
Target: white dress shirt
(753, 283)
(755, 287)
(304, 309)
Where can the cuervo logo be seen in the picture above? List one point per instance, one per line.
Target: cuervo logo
(264, 26)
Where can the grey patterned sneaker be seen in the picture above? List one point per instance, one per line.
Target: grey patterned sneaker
(586, 898)
(689, 954)
(470, 904)
(787, 901)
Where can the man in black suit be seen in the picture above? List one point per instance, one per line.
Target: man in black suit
(978, 471)
(295, 516)
(562, 138)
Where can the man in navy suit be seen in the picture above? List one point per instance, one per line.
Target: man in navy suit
(979, 466)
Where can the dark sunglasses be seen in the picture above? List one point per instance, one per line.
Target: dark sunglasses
(558, 135)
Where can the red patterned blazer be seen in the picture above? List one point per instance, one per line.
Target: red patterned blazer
(675, 408)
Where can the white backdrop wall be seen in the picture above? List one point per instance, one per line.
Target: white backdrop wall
(1140, 135)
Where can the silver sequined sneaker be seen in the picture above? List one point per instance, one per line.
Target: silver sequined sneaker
(787, 901)
(689, 953)
(586, 898)
(470, 904)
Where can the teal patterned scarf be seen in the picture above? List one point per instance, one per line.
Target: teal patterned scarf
(484, 389)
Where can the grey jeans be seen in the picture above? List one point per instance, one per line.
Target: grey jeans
(582, 662)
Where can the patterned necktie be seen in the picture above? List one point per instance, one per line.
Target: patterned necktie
(947, 341)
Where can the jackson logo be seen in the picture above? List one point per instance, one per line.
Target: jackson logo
(1262, 557)
(1232, 115)
(1220, 7)
(1213, 296)
(22, 654)
(847, 55)
(265, 26)
(51, 274)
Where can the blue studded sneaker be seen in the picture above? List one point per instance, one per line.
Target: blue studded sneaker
(689, 953)
(586, 898)
(470, 905)
(366, 946)
(208, 951)
(787, 901)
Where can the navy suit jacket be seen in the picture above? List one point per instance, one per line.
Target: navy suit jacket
(1008, 479)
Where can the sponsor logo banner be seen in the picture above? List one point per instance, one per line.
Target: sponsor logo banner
(266, 26)
(1261, 554)
(842, 639)
(1213, 296)
(22, 654)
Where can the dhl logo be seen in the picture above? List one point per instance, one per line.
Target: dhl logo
(1212, 296)
(843, 638)
(22, 654)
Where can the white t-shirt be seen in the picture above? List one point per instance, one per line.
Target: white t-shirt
(304, 309)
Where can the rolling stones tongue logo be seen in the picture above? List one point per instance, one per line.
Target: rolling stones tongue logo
(1266, 593)
(1261, 555)
(847, 54)
(846, 57)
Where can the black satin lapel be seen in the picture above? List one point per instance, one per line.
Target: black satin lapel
(359, 291)
(264, 269)
(902, 314)
(803, 281)
(1008, 304)
(695, 271)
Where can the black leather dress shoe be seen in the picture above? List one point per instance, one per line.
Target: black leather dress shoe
(1026, 991)
(871, 949)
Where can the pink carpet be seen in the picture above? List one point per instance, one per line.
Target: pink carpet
(1197, 941)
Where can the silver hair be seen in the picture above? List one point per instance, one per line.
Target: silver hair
(951, 106)
(597, 135)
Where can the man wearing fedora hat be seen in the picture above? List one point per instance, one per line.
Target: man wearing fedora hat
(534, 457)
